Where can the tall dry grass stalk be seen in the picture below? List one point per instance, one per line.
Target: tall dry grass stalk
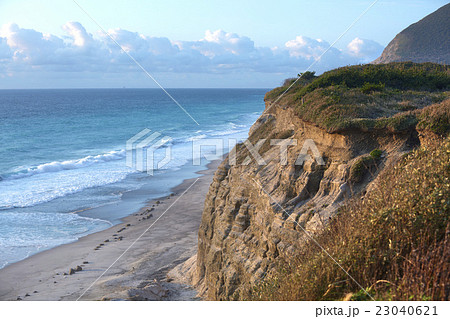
(394, 242)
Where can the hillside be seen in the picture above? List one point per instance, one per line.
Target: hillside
(363, 120)
(394, 240)
(367, 97)
(425, 41)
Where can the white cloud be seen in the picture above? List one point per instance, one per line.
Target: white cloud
(306, 47)
(78, 34)
(29, 47)
(218, 52)
(364, 49)
(5, 51)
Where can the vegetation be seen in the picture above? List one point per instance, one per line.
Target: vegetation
(366, 97)
(363, 165)
(436, 118)
(395, 242)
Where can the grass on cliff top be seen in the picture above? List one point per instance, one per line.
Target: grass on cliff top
(435, 118)
(395, 242)
(366, 97)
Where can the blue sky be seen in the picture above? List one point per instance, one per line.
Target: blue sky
(190, 43)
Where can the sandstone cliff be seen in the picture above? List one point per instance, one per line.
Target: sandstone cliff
(245, 226)
(257, 213)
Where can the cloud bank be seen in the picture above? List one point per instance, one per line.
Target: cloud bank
(218, 52)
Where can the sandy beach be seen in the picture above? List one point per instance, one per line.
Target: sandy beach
(168, 227)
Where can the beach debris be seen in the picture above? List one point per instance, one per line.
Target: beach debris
(148, 210)
(120, 238)
(157, 202)
(35, 292)
(55, 282)
(153, 291)
(106, 241)
(65, 274)
(120, 230)
(148, 217)
(18, 298)
(74, 270)
(85, 262)
(57, 274)
(27, 295)
(128, 225)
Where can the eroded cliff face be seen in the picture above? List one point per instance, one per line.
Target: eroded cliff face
(257, 214)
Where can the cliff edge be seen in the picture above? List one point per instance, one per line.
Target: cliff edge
(339, 132)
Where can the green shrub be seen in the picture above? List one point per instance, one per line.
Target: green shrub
(368, 88)
(376, 154)
(401, 75)
(366, 97)
(360, 168)
(436, 118)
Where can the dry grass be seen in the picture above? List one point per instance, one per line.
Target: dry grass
(367, 97)
(436, 118)
(395, 242)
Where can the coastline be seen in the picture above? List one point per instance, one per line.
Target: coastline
(140, 274)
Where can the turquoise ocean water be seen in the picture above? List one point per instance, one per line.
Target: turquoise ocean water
(62, 153)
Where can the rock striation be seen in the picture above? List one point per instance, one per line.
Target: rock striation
(257, 214)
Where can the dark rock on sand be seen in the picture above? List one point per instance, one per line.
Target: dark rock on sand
(153, 291)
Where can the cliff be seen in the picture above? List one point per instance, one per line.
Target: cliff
(259, 214)
(425, 41)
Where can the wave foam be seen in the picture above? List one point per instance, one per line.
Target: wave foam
(69, 165)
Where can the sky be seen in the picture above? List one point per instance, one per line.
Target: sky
(55, 44)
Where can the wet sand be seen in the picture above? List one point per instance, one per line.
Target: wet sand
(167, 231)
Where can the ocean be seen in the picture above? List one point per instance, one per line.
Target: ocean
(63, 157)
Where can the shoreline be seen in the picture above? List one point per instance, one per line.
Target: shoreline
(140, 274)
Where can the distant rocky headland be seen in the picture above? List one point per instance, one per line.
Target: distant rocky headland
(425, 41)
